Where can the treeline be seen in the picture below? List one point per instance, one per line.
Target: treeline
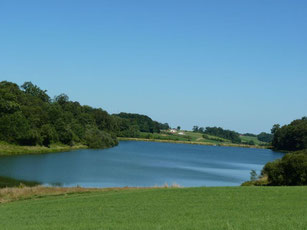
(290, 137)
(233, 136)
(139, 123)
(264, 137)
(28, 116)
(292, 168)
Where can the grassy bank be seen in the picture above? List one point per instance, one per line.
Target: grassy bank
(162, 208)
(10, 149)
(229, 144)
(9, 182)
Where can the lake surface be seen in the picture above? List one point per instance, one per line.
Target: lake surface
(134, 163)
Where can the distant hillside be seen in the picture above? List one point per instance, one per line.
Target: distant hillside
(260, 138)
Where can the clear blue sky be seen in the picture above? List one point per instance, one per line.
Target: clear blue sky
(241, 65)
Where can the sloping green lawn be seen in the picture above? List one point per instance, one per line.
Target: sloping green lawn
(167, 208)
(254, 139)
(199, 138)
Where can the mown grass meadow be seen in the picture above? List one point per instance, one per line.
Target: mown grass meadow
(162, 208)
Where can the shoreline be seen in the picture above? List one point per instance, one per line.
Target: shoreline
(7, 149)
(192, 143)
(21, 192)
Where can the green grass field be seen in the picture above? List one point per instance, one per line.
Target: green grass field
(162, 208)
(250, 138)
(188, 136)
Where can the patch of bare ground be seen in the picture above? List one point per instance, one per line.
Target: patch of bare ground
(22, 193)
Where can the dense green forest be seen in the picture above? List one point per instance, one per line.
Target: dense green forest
(28, 116)
(290, 137)
(140, 123)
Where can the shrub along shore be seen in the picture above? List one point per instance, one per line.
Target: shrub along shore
(291, 169)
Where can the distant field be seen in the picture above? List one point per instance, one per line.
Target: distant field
(190, 136)
(250, 138)
(162, 208)
(187, 136)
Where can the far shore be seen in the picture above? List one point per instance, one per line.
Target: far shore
(10, 149)
(193, 143)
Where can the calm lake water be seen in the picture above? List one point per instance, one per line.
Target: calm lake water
(135, 163)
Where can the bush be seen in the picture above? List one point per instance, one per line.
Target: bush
(253, 175)
(31, 138)
(290, 170)
(99, 139)
(48, 135)
(29, 117)
(251, 142)
(233, 136)
(265, 137)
